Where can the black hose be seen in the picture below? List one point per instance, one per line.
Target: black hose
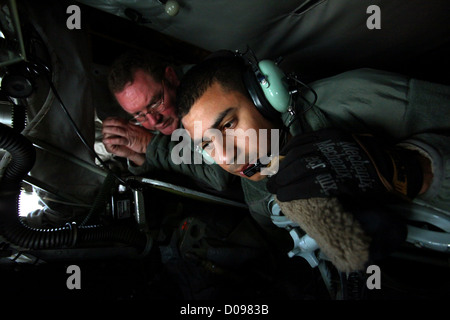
(100, 199)
(11, 227)
(19, 117)
(23, 157)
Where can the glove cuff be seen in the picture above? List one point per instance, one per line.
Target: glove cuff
(399, 169)
(407, 175)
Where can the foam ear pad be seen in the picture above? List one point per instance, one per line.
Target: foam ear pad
(257, 95)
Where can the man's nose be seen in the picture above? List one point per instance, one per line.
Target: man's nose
(153, 118)
(226, 152)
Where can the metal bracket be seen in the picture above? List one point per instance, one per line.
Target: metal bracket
(304, 245)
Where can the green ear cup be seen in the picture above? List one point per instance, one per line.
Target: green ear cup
(275, 86)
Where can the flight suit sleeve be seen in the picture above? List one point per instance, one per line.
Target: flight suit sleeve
(410, 112)
(177, 156)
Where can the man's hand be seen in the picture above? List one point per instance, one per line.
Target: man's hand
(331, 162)
(125, 139)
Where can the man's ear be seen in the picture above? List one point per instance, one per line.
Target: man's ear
(171, 76)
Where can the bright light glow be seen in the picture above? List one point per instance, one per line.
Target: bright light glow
(172, 8)
(28, 202)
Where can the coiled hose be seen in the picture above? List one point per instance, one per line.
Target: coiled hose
(14, 231)
(19, 117)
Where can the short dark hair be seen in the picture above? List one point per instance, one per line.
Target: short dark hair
(124, 67)
(227, 71)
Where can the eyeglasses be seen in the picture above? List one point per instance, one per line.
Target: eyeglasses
(155, 108)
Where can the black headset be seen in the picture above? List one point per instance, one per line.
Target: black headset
(267, 86)
(266, 83)
(272, 91)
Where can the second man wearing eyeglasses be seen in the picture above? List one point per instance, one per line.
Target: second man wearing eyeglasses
(145, 88)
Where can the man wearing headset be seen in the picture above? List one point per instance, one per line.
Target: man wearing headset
(145, 87)
(372, 141)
